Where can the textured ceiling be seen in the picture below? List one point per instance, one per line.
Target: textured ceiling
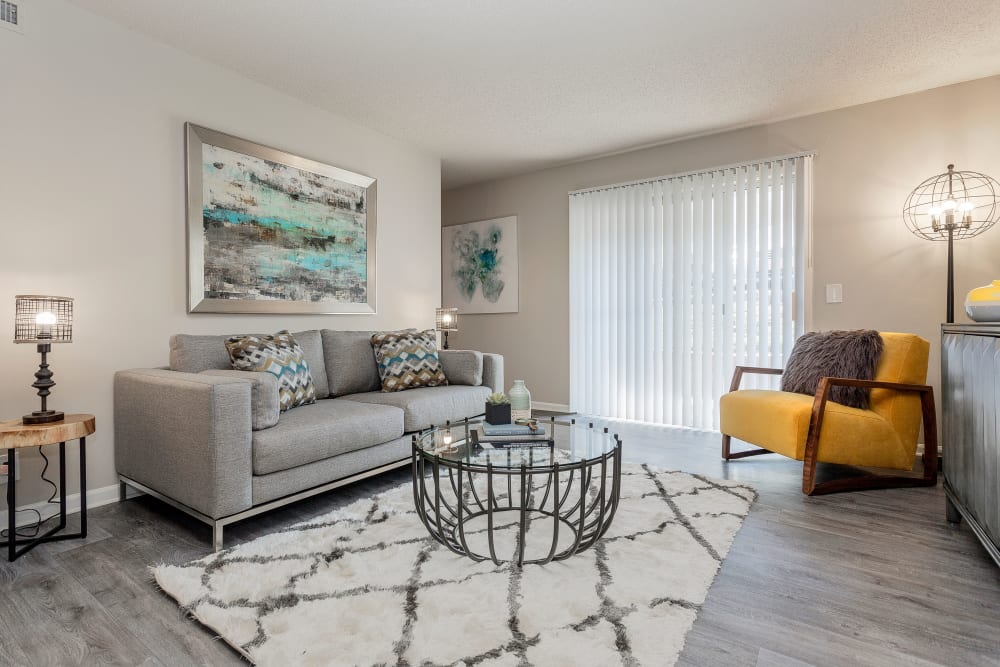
(498, 87)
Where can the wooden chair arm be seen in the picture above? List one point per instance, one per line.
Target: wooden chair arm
(871, 384)
(819, 409)
(740, 370)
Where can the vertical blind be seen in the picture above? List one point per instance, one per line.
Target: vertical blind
(674, 281)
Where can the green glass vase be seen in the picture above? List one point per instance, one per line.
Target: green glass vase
(520, 401)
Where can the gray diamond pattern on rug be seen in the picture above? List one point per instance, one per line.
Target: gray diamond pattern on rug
(366, 585)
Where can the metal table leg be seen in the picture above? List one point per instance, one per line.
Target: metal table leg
(13, 553)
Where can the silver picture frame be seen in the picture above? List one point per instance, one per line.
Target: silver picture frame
(197, 138)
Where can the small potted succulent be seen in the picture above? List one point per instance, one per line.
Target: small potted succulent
(498, 408)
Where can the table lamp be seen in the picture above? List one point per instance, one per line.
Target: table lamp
(446, 320)
(43, 320)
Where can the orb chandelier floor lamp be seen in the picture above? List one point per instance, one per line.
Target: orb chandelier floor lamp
(951, 206)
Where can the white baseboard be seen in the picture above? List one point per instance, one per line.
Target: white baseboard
(920, 449)
(552, 407)
(95, 498)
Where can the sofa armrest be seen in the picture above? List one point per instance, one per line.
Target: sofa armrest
(187, 436)
(493, 371)
(822, 397)
(462, 366)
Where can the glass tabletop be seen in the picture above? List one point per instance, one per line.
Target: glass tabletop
(564, 442)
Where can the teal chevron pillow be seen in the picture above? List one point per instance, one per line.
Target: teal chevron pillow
(280, 356)
(408, 359)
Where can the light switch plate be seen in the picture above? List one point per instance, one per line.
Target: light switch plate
(835, 293)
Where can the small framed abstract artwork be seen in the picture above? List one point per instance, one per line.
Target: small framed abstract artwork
(271, 232)
(479, 266)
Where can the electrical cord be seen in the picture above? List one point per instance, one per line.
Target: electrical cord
(33, 529)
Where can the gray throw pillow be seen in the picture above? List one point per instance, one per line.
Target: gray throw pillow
(462, 366)
(265, 405)
(842, 354)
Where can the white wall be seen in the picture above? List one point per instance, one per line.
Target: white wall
(869, 159)
(92, 206)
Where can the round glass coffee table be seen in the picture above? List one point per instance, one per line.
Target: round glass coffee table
(523, 502)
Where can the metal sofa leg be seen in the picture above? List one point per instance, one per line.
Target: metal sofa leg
(122, 490)
(217, 528)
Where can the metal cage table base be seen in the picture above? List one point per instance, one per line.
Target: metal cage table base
(571, 504)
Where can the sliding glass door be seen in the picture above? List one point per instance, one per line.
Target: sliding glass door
(674, 281)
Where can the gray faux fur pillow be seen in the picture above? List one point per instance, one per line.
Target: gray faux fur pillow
(842, 354)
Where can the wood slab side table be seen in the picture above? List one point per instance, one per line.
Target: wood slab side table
(13, 436)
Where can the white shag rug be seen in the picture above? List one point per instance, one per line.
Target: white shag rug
(366, 585)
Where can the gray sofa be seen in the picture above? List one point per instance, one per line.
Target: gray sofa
(210, 440)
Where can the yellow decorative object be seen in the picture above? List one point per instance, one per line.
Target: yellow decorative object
(884, 436)
(983, 303)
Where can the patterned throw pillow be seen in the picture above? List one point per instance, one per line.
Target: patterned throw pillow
(280, 356)
(408, 359)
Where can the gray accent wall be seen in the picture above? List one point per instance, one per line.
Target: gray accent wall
(869, 159)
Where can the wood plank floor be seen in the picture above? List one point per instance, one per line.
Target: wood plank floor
(869, 578)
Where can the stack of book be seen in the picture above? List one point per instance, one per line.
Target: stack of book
(512, 435)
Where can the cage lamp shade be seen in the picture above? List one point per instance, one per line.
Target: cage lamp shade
(43, 319)
(446, 319)
(953, 205)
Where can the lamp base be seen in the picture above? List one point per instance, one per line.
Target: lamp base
(43, 417)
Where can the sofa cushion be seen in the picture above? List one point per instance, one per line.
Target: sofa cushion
(321, 430)
(350, 362)
(196, 353)
(462, 366)
(285, 482)
(312, 347)
(429, 406)
(493, 371)
(408, 359)
(265, 408)
(779, 421)
(281, 356)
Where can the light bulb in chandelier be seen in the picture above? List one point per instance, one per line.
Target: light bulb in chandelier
(965, 209)
(935, 213)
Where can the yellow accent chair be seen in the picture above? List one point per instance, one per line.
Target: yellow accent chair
(814, 429)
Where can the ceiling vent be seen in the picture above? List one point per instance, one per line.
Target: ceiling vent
(10, 16)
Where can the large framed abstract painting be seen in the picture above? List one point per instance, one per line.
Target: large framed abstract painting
(479, 262)
(271, 232)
